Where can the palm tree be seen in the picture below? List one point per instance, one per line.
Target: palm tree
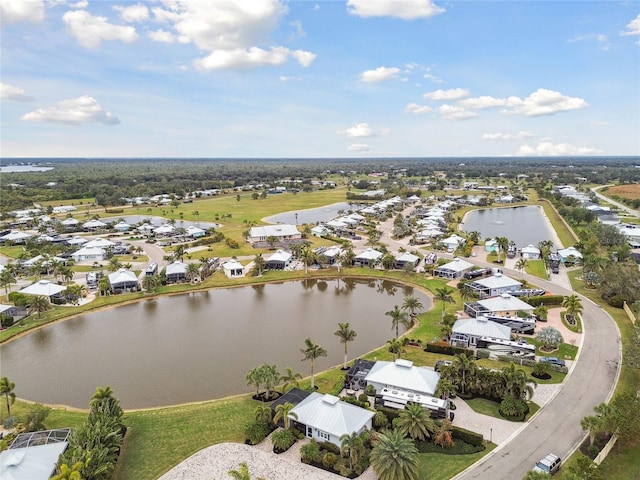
(394, 457)
(282, 413)
(263, 413)
(6, 389)
(6, 279)
(396, 347)
(444, 295)
(573, 304)
(517, 382)
(398, 317)
(259, 263)
(464, 368)
(150, 282)
(179, 252)
(412, 305)
(591, 424)
(193, 270)
(39, 303)
(114, 264)
(521, 265)
(415, 422)
(311, 352)
(348, 256)
(308, 257)
(346, 335)
(352, 445)
(254, 378)
(503, 246)
(290, 379)
(242, 473)
(101, 394)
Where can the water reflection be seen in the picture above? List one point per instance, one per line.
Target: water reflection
(202, 343)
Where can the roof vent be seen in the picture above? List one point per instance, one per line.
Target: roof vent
(330, 399)
(404, 363)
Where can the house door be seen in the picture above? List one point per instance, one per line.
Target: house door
(309, 431)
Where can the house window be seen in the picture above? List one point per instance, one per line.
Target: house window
(322, 434)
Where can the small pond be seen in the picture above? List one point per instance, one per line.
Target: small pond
(524, 225)
(312, 215)
(199, 346)
(23, 168)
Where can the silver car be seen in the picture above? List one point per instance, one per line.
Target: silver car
(549, 464)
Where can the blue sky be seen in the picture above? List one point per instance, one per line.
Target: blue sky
(361, 78)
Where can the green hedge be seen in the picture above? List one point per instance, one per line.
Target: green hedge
(447, 349)
(545, 300)
(472, 438)
(460, 447)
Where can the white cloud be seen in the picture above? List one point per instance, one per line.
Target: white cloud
(133, 13)
(298, 31)
(455, 112)
(433, 78)
(15, 11)
(80, 4)
(13, 93)
(633, 27)
(544, 149)
(508, 136)
(417, 109)
(404, 9)
(284, 78)
(545, 102)
(452, 94)
(75, 111)
(379, 74)
(540, 102)
(359, 130)
(359, 147)
(91, 30)
(252, 58)
(230, 32)
(161, 36)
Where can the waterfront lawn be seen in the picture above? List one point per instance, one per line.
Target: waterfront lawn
(537, 268)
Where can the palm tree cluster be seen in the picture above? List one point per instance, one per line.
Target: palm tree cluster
(266, 376)
(510, 385)
(94, 448)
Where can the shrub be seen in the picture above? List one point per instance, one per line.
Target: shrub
(329, 459)
(447, 349)
(380, 420)
(483, 353)
(231, 243)
(35, 417)
(256, 431)
(460, 447)
(370, 390)
(282, 440)
(6, 321)
(310, 452)
(544, 300)
(616, 301)
(363, 397)
(330, 447)
(19, 299)
(467, 436)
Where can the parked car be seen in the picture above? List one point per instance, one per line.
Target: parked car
(442, 363)
(549, 464)
(553, 361)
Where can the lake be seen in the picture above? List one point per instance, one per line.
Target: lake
(23, 168)
(524, 225)
(312, 215)
(199, 346)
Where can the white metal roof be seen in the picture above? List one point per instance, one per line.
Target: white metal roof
(503, 303)
(566, 252)
(456, 265)
(280, 256)
(12, 236)
(121, 276)
(530, 249)
(43, 287)
(99, 242)
(280, 230)
(329, 414)
(369, 254)
(94, 224)
(497, 281)
(404, 375)
(176, 268)
(481, 327)
(37, 462)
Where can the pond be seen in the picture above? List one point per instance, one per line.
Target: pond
(199, 346)
(23, 168)
(525, 225)
(312, 215)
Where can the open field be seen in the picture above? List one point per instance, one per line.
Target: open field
(630, 192)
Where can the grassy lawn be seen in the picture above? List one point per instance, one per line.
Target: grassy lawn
(537, 268)
(439, 466)
(574, 328)
(491, 408)
(565, 351)
(564, 231)
(12, 251)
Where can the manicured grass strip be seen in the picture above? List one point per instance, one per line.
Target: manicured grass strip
(157, 440)
(537, 268)
(562, 228)
(439, 466)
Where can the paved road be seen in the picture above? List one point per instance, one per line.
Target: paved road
(556, 428)
(621, 206)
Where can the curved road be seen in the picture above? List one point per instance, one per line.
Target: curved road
(621, 206)
(556, 427)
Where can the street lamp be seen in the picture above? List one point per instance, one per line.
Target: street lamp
(491, 435)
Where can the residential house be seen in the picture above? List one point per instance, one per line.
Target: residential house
(232, 269)
(503, 305)
(497, 284)
(282, 232)
(93, 225)
(195, 232)
(121, 226)
(166, 230)
(491, 246)
(330, 254)
(100, 242)
(45, 288)
(405, 259)
(403, 375)
(176, 272)
(327, 418)
(467, 331)
(320, 231)
(566, 253)
(530, 253)
(368, 258)
(452, 270)
(16, 238)
(123, 281)
(33, 455)
(278, 260)
(70, 223)
(453, 242)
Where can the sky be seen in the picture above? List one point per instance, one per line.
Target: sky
(319, 79)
